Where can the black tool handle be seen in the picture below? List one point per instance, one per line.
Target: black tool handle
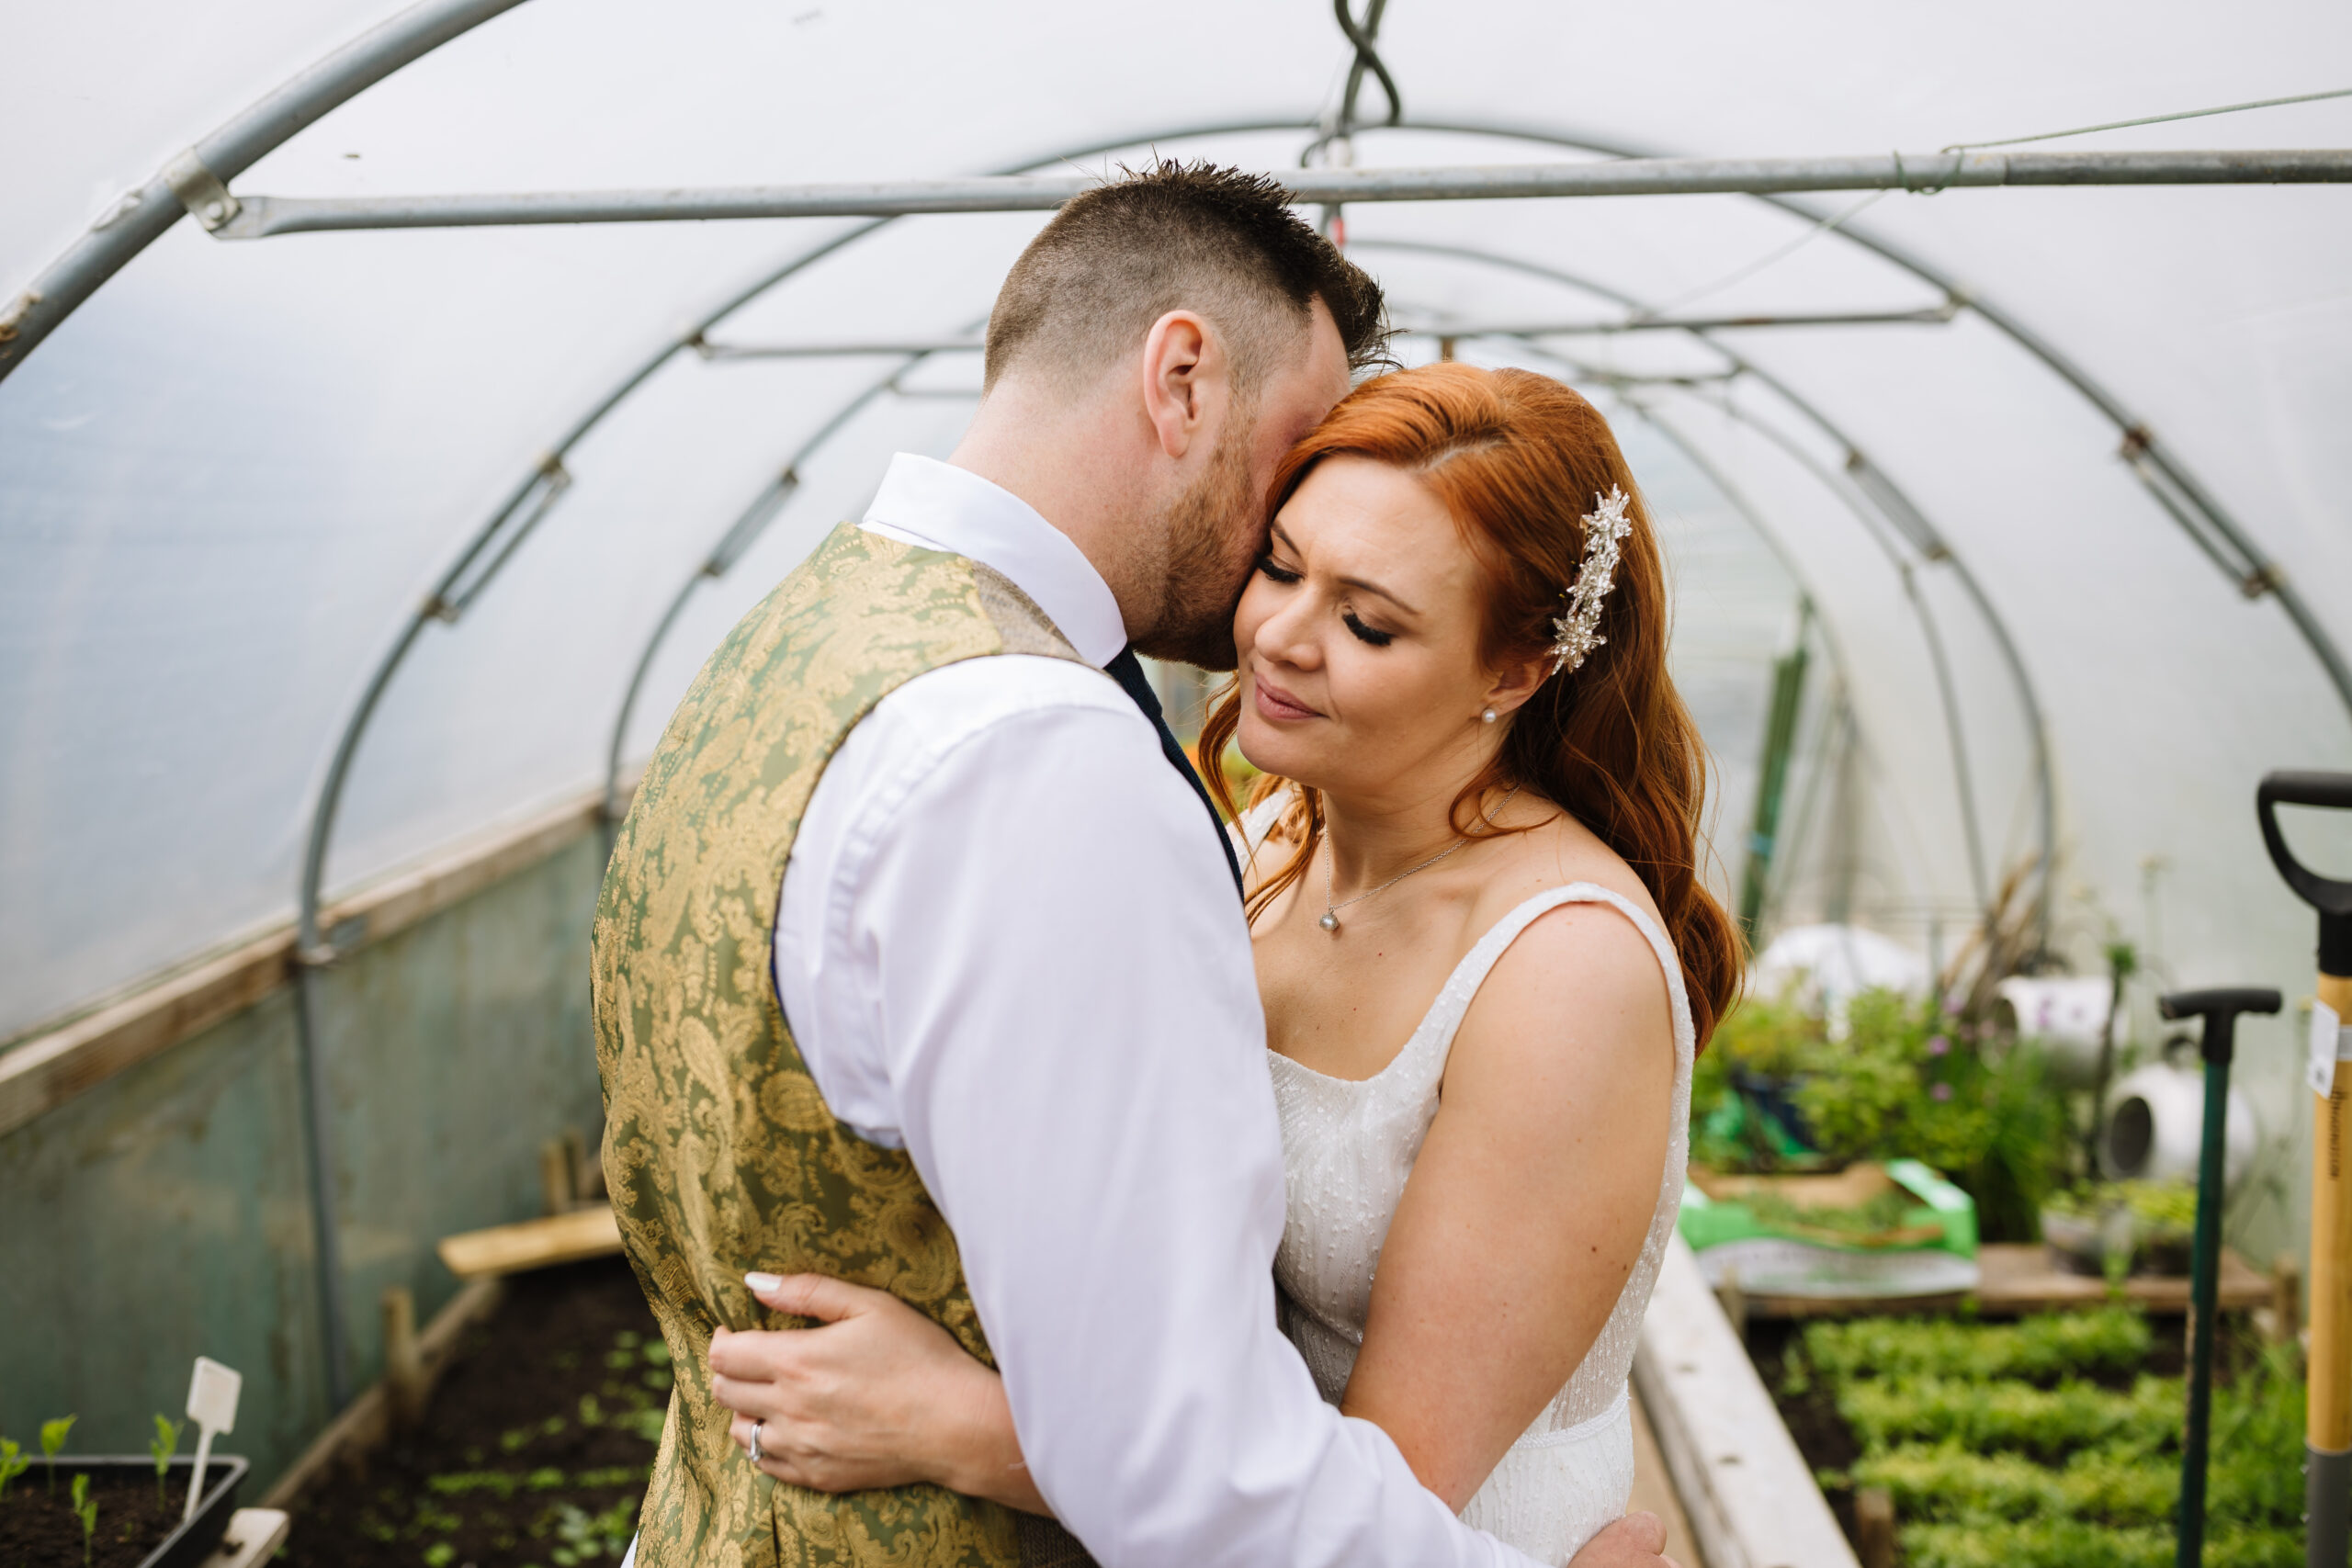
(2219, 1009)
(2332, 898)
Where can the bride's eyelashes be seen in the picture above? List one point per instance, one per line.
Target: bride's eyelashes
(1274, 571)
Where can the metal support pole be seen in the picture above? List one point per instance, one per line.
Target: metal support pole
(261, 217)
(319, 1167)
(1442, 330)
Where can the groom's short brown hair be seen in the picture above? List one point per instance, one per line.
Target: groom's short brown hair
(1177, 236)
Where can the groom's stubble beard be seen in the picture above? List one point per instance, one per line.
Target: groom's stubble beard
(1215, 533)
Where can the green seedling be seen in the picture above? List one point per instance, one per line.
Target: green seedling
(52, 1442)
(86, 1508)
(166, 1442)
(13, 1462)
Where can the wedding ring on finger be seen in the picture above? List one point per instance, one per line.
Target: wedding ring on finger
(753, 1449)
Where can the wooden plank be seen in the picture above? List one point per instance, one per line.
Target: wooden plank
(49, 1069)
(534, 1244)
(1749, 1494)
(2018, 1277)
(1653, 1490)
(45, 1072)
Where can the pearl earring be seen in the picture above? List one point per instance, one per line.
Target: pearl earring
(1488, 716)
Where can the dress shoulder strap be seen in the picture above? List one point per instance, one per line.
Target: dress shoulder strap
(1433, 1040)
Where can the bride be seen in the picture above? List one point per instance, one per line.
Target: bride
(1485, 959)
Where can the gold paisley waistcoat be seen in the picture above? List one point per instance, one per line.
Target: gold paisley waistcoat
(720, 1152)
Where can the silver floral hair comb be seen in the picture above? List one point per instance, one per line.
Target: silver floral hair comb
(1577, 632)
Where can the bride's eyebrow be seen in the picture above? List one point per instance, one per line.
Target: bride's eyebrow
(1373, 588)
(1274, 531)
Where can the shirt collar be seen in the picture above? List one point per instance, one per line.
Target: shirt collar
(938, 506)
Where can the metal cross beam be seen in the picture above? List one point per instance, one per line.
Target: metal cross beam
(258, 217)
(856, 348)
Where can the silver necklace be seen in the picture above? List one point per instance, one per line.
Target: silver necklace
(1330, 920)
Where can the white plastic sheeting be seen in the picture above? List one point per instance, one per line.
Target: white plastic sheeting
(227, 477)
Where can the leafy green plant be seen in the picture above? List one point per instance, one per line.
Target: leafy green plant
(2014, 1416)
(2037, 1350)
(1985, 1467)
(13, 1462)
(1902, 1081)
(86, 1508)
(52, 1442)
(586, 1536)
(1884, 1213)
(166, 1442)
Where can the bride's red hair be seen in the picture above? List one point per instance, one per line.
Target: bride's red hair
(1518, 459)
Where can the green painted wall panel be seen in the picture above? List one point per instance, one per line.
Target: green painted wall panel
(163, 1214)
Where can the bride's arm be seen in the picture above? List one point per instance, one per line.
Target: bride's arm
(1530, 1201)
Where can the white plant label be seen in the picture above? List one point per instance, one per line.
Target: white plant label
(212, 1405)
(212, 1394)
(2329, 1041)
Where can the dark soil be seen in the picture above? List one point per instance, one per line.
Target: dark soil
(534, 1450)
(38, 1527)
(1820, 1432)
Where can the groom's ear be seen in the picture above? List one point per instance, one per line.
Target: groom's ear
(1186, 381)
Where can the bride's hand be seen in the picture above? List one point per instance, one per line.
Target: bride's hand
(876, 1396)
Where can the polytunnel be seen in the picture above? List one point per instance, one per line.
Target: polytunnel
(369, 493)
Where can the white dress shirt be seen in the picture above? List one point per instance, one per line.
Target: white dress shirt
(1008, 942)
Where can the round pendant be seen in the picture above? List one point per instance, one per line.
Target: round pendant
(1330, 920)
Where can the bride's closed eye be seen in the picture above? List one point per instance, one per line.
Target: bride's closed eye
(1372, 635)
(1275, 571)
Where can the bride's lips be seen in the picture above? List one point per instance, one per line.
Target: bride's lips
(1277, 705)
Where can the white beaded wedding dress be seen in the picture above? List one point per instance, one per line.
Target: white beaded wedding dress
(1348, 1148)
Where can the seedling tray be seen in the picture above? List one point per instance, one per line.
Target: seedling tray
(1929, 1250)
(125, 1489)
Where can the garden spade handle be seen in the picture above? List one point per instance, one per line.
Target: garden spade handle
(2219, 1009)
(2327, 1483)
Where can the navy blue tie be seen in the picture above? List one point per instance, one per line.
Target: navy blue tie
(1126, 671)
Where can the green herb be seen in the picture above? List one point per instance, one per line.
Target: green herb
(166, 1441)
(586, 1536)
(13, 1462)
(86, 1508)
(1886, 1212)
(2168, 1208)
(1903, 1081)
(53, 1441)
(1987, 1468)
(2040, 1348)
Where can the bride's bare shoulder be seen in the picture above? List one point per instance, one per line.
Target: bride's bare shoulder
(1581, 962)
(1557, 851)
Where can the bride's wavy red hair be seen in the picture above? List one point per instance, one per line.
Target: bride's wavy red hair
(1519, 459)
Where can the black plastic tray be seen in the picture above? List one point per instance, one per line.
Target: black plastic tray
(196, 1539)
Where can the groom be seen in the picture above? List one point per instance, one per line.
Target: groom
(1022, 1084)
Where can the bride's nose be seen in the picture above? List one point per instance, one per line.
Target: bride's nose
(1286, 637)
